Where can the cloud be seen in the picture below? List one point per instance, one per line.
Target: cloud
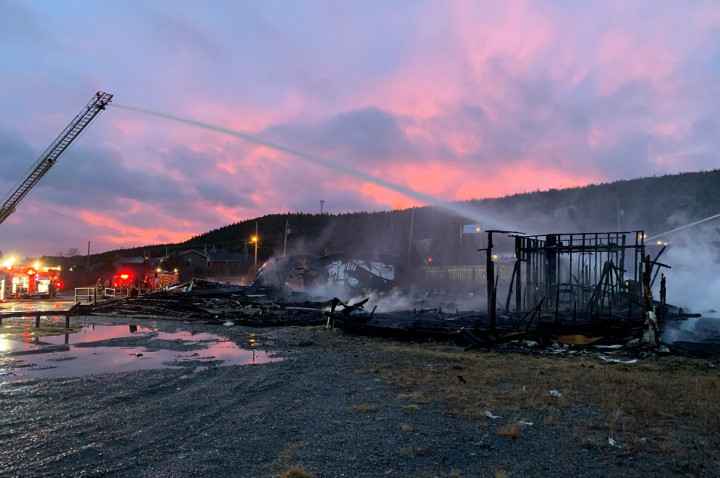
(367, 134)
(455, 99)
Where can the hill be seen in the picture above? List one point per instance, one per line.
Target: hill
(653, 205)
(413, 236)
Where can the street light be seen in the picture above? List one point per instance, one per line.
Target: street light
(255, 240)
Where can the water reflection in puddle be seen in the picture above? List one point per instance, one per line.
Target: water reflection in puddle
(118, 348)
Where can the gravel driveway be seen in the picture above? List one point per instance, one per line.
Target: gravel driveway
(326, 408)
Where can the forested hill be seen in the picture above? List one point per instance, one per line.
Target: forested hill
(653, 204)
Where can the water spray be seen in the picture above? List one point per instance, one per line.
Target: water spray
(683, 227)
(460, 209)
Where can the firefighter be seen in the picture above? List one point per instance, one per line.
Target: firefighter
(100, 288)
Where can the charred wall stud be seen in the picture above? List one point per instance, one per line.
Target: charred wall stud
(600, 273)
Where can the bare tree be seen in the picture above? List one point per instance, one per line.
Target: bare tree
(73, 252)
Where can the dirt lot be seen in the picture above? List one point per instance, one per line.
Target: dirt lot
(343, 405)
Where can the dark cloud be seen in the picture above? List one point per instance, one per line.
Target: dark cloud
(706, 129)
(16, 156)
(98, 177)
(228, 193)
(368, 134)
(628, 158)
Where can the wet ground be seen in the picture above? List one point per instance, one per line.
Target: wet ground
(335, 405)
(330, 407)
(95, 345)
(21, 305)
(93, 349)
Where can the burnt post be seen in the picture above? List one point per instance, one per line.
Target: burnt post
(551, 255)
(490, 272)
(518, 279)
(663, 290)
(647, 292)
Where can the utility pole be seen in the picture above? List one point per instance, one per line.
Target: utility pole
(88, 255)
(410, 235)
(287, 224)
(322, 202)
(256, 240)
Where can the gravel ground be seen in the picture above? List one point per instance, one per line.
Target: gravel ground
(325, 408)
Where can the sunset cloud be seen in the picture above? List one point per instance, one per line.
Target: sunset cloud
(456, 100)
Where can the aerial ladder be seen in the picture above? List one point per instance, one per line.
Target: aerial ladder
(52, 153)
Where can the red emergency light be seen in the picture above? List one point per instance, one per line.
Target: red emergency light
(31, 272)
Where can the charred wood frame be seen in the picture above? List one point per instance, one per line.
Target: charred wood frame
(581, 273)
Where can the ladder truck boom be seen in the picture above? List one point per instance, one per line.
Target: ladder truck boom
(52, 153)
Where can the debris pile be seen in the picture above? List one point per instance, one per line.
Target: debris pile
(571, 291)
(212, 302)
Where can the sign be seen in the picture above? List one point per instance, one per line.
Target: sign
(471, 229)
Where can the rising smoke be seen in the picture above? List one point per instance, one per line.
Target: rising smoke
(693, 283)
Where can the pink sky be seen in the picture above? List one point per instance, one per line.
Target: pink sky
(456, 100)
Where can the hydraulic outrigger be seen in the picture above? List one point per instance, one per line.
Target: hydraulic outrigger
(52, 153)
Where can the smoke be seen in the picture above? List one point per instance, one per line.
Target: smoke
(693, 282)
(385, 302)
(693, 329)
(421, 299)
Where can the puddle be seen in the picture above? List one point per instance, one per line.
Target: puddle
(116, 348)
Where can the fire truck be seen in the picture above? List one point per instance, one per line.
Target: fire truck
(33, 281)
(144, 279)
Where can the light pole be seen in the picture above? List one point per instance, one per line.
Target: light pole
(255, 240)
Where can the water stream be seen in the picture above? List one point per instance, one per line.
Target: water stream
(457, 208)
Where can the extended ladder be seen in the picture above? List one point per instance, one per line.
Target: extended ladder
(48, 158)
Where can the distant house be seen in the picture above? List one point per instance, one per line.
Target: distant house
(137, 265)
(226, 263)
(195, 259)
(131, 261)
(212, 265)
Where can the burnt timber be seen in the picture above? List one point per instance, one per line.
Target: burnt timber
(596, 287)
(594, 284)
(585, 276)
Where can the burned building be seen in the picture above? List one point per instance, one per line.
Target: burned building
(578, 276)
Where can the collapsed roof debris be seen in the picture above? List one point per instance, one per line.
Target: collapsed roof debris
(575, 289)
(212, 302)
(578, 290)
(312, 275)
